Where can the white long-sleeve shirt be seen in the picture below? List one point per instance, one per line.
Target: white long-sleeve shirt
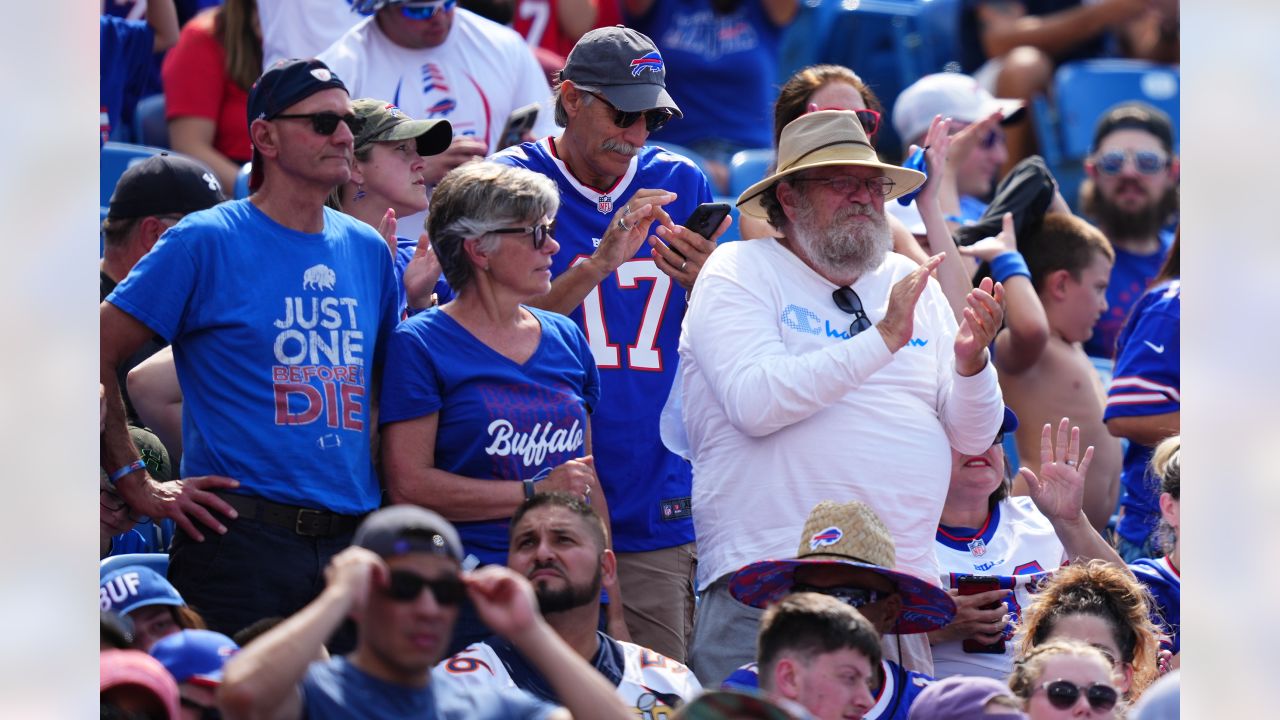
(784, 410)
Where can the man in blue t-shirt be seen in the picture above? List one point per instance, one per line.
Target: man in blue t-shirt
(629, 303)
(398, 553)
(1130, 191)
(277, 309)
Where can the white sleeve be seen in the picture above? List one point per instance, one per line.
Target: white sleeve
(970, 408)
(532, 88)
(735, 340)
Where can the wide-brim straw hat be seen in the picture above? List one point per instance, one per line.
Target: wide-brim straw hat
(826, 138)
(847, 534)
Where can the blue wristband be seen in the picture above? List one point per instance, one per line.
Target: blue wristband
(1007, 265)
(132, 467)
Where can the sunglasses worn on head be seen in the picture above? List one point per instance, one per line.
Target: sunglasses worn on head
(653, 119)
(1146, 161)
(848, 301)
(851, 596)
(1063, 694)
(406, 587)
(539, 232)
(325, 123)
(426, 11)
(845, 184)
(869, 118)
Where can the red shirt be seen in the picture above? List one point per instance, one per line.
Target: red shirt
(196, 84)
(536, 21)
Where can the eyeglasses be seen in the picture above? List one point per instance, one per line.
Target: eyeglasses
(844, 184)
(426, 11)
(869, 118)
(1063, 694)
(206, 712)
(851, 596)
(540, 233)
(406, 587)
(999, 439)
(325, 123)
(848, 301)
(1146, 161)
(653, 119)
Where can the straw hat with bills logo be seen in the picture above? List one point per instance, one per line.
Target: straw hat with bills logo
(847, 534)
(826, 138)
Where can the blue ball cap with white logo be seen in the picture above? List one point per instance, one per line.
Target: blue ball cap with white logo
(195, 656)
(133, 587)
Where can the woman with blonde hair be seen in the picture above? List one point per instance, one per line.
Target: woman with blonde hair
(1103, 605)
(1065, 679)
(1163, 576)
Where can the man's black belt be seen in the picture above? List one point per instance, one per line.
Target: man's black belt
(303, 521)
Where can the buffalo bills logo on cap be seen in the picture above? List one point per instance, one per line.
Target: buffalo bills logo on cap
(393, 111)
(830, 536)
(651, 62)
(321, 74)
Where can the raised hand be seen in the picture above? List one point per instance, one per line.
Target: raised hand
(630, 226)
(504, 600)
(354, 572)
(576, 477)
(992, 247)
(680, 252)
(1059, 490)
(899, 317)
(422, 274)
(982, 320)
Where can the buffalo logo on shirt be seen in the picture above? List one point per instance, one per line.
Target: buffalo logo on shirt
(651, 62)
(318, 277)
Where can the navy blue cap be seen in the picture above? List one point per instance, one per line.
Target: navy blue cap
(1010, 422)
(283, 84)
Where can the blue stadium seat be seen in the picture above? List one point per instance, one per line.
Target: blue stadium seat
(116, 158)
(242, 182)
(747, 168)
(733, 233)
(690, 153)
(1082, 92)
(156, 561)
(149, 125)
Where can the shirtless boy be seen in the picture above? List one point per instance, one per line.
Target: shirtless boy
(1070, 264)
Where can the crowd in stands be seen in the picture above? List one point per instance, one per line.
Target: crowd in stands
(448, 370)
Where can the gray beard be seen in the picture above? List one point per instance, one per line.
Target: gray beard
(847, 246)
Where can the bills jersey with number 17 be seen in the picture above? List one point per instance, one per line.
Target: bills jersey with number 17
(632, 323)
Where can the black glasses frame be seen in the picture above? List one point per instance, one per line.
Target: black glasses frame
(539, 232)
(848, 301)
(653, 119)
(1064, 694)
(405, 586)
(326, 123)
(879, 186)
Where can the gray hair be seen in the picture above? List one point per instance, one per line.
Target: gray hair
(562, 117)
(477, 198)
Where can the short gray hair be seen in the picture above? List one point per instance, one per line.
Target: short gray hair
(477, 198)
(562, 117)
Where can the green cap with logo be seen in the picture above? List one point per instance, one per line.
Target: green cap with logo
(385, 122)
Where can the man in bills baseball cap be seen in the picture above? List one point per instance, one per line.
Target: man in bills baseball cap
(284, 84)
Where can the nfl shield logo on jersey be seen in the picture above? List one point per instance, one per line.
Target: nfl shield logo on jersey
(977, 547)
(604, 204)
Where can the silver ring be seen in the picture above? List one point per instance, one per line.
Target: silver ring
(623, 225)
(683, 264)
(1071, 463)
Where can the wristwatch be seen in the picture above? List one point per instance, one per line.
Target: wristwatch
(528, 489)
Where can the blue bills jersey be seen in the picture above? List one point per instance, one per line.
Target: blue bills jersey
(1164, 581)
(632, 323)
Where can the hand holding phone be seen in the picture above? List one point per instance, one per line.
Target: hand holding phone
(520, 122)
(974, 585)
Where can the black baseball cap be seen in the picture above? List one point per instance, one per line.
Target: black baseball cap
(164, 184)
(1135, 116)
(283, 84)
(624, 66)
(401, 529)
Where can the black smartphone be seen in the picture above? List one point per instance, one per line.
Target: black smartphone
(520, 122)
(973, 585)
(707, 217)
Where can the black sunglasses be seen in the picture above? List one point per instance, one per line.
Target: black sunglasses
(325, 123)
(851, 596)
(540, 233)
(848, 301)
(1064, 694)
(653, 119)
(406, 587)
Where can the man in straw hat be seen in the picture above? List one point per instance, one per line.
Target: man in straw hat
(790, 399)
(846, 553)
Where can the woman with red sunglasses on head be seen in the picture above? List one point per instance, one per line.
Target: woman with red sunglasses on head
(1066, 679)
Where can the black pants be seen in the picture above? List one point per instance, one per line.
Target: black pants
(252, 572)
